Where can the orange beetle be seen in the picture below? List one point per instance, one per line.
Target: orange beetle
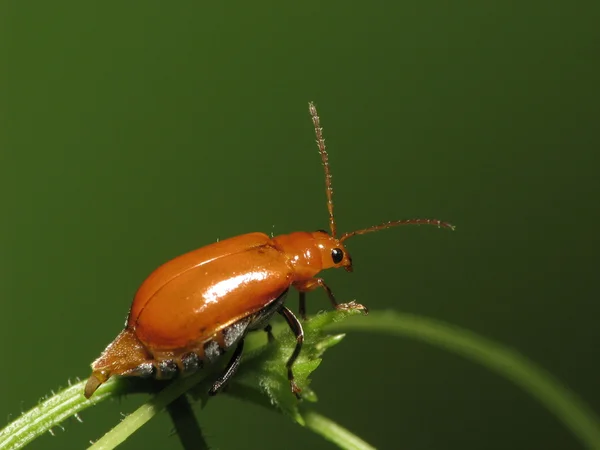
(197, 306)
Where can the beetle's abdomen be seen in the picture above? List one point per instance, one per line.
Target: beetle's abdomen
(128, 356)
(194, 306)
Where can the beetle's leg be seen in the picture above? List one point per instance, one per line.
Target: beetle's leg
(314, 283)
(269, 330)
(296, 327)
(231, 368)
(302, 304)
(311, 285)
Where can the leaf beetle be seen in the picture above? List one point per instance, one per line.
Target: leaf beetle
(194, 308)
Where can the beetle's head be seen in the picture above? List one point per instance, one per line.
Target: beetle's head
(333, 252)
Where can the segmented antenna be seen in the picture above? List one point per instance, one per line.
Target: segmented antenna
(395, 223)
(325, 158)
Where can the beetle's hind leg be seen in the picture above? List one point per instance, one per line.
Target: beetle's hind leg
(230, 370)
(296, 327)
(269, 330)
(302, 304)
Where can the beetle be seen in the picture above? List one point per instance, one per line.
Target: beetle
(194, 308)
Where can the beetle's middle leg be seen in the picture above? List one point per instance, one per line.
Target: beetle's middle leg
(230, 370)
(269, 330)
(310, 285)
(296, 327)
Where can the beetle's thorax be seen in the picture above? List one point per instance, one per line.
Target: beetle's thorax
(309, 253)
(302, 253)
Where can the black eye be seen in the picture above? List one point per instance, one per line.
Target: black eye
(337, 255)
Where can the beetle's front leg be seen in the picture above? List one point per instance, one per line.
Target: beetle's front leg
(310, 285)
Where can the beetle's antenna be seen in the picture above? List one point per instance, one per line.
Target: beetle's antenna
(395, 223)
(325, 159)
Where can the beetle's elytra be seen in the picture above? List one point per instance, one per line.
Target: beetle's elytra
(199, 305)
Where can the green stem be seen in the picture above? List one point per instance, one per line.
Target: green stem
(334, 432)
(144, 413)
(50, 413)
(563, 403)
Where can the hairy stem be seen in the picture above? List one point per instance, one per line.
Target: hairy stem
(144, 413)
(51, 412)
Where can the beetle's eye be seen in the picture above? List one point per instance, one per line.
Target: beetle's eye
(337, 255)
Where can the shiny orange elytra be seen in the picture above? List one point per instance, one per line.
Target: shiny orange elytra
(197, 306)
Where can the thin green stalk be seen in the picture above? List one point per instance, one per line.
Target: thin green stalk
(51, 412)
(144, 413)
(334, 432)
(559, 400)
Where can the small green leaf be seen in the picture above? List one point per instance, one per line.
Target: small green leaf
(329, 342)
(265, 369)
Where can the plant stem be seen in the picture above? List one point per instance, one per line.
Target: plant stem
(50, 413)
(334, 432)
(144, 413)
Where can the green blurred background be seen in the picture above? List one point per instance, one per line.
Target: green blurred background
(131, 133)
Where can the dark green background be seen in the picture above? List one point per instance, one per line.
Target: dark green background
(131, 134)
